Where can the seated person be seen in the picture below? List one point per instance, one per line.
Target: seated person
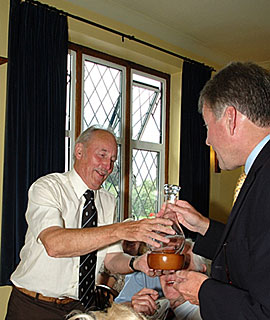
(115, 312)
(142, 292)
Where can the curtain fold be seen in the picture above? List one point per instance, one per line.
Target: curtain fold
(194, 154)
(35, 115)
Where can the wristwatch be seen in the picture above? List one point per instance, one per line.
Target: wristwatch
(131, 262)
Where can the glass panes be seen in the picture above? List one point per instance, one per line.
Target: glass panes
(106, 86)
(147, 143)
(102, 96)
(144, 184)
(102, 105)
(146, 109)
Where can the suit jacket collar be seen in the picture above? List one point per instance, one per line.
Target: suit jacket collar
(256, 166)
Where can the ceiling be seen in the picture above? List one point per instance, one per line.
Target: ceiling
(214, 30)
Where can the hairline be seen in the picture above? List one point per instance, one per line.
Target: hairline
(87, 135)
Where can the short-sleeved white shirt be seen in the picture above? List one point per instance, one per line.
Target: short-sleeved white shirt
(57, 200)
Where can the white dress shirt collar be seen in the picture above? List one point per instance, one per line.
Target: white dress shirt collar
(254, 153)
(78, 184)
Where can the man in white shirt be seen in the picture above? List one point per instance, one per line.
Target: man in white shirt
(46, 279)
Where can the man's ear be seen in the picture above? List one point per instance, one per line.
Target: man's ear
(78, 151)
(231, 114)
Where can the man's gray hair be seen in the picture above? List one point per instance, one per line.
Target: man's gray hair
(87, 135)
(115, 312)
(243, 85)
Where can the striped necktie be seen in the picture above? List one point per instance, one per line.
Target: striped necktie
(88, 261)
(238, 187)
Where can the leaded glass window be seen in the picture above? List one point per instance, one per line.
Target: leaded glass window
(130, 101)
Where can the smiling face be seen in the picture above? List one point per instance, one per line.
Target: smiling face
(94, 161)
(167, 281)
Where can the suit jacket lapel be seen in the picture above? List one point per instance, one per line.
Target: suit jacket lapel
(258, 163)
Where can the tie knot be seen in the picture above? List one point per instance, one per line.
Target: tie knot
(89, 195)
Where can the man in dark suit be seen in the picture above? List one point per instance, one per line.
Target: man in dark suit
(235, 106)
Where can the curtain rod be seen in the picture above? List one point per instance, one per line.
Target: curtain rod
(119, 33)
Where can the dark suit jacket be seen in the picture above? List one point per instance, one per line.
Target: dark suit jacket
(239, 287)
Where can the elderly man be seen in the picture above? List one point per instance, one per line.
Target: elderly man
(142, 292)
(236, 109)
(71, 231)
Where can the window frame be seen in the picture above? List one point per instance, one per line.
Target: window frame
(151, 146)
(71, 94)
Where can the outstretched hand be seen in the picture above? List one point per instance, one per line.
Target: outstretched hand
(141, 264)
(149, 231)
(188, 216)
(188, 283)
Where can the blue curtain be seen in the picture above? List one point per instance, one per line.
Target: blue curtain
(35, 115)
(194, 154)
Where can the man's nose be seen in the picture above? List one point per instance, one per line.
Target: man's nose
(107, 164)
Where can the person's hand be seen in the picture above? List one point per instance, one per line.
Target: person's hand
(188, 284)
(141, 264)
(189, 217)
(144, 301)
(174, 303)
(146, 230)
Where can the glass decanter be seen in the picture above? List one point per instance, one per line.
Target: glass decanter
(168, 256)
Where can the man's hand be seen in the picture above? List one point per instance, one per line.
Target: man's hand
(144, 301)
(188, 284)
(145, 230)
(188, 216)
(174, 303)
(118, 262)
(141, 264)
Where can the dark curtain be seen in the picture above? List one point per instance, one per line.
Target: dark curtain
(35, 115)
(194, 154)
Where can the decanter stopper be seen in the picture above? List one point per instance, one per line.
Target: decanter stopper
(170, 196)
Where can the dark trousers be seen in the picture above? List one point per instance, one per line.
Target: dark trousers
(23, 307)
